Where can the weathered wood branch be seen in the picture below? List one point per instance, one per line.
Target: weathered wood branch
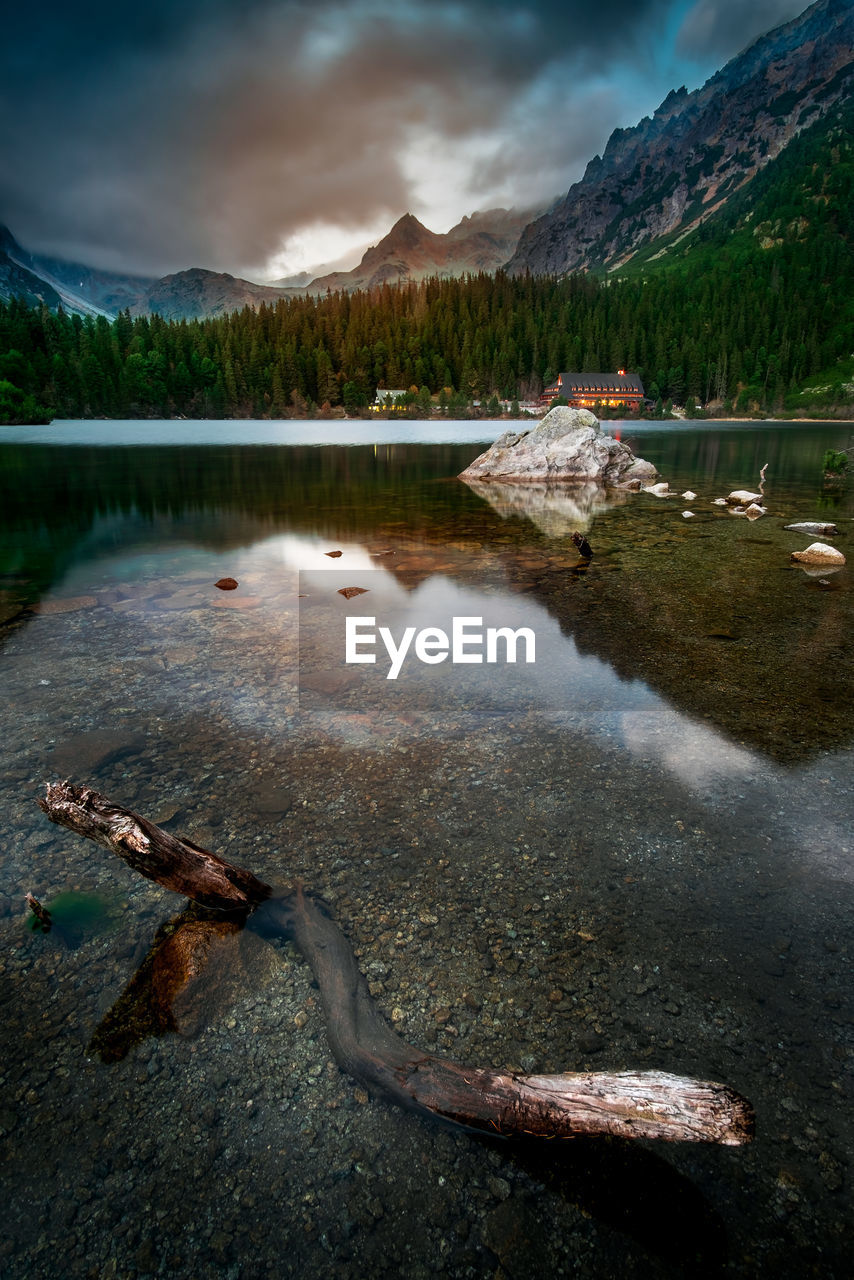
(176, 864)
(643, 1104)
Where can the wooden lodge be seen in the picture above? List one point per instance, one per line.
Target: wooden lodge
(587, 390)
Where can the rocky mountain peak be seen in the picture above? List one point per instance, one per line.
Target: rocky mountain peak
(676, 167)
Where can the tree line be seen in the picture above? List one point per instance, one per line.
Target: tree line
(745, 312)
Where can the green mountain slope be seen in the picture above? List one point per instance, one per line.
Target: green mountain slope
(785, 240)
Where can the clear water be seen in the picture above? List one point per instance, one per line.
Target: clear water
(634, 851)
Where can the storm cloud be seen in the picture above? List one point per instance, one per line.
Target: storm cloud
(723, 28)
(208, 132)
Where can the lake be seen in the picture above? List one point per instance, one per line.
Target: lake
(634, 851)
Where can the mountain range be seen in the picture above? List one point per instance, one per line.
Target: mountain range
(652, 186)
(482, 242)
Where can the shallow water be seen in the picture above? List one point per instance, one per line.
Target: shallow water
(634, 851)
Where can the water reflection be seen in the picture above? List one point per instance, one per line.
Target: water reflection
(557, 511)
(706, 612)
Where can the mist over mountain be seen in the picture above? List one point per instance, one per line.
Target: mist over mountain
(54, 282)
(481, 242)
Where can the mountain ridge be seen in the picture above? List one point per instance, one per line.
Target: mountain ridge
(481, 241)
(410, 251)
(676, 167)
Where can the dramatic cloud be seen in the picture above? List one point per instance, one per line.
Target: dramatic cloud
(220, 133)
(723, 28)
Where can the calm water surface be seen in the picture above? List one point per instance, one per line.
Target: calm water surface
(635, 851)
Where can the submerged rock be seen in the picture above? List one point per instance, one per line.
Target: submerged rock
(568, 446)
(819, 553)
(815, 528)
(83, 754)
(65, 604)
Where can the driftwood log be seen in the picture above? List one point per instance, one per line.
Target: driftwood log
(629, 1104)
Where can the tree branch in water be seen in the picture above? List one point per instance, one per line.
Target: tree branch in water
(630, 1104)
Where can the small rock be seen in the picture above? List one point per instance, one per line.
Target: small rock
(333, 555)
(814, 528)
(689, 496)
(272, 798)
(687, 515)
(179, 600)
(819, 553)
(830, 1171)
(85, 753)
(719, 502)
(499, 1188)
(349, 592)
(661, 490)
(165, 811)
(227, 584)
(754, 511)
(742, 498)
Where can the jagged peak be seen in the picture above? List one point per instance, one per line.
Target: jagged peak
(408, 224)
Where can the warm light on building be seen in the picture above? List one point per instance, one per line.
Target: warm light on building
(587, 390)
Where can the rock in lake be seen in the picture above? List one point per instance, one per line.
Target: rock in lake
(743, 498)
(814, 528)
(819, 553)
(568, 446)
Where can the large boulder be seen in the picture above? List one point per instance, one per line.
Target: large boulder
(568, 446)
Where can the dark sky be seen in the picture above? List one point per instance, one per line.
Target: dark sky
(262, 136)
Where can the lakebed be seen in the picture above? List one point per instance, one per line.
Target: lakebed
(633, 851)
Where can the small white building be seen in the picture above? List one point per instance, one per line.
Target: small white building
(388, 400)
